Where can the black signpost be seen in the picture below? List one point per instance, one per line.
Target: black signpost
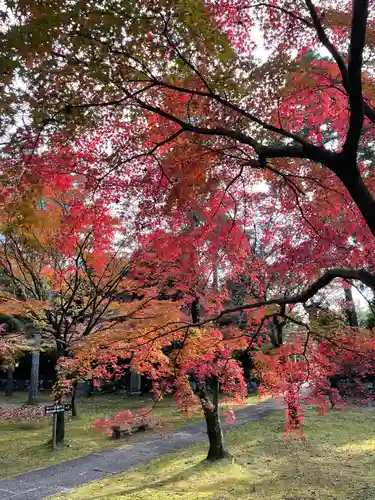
(54, 410)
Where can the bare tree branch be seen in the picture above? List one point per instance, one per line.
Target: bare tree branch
(324, 280)
(279, 8)
(323, 38)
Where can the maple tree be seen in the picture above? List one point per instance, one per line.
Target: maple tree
(188, 363)
(197, 355)
(191, 363)
(331, 352)
(207, 118)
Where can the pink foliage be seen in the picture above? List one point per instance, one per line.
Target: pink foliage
(287, 371)
(126, 419)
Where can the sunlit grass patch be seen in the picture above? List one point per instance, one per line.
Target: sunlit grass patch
(336, 461)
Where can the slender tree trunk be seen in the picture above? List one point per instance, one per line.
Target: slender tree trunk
(293, 414)
(217, 449)
(34, 375)
(215, 278)
(91, 391)
(331, 400)
(73, 399)
(9, 386)
(275, 332)
(60, 421)
(350, 311)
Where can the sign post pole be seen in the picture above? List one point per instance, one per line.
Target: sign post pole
(54, 410)
(54, 422)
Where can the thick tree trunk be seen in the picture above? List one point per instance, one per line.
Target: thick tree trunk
(360, 193)
(275, 331)
(217, 449)
(73, 399)
(9, 387)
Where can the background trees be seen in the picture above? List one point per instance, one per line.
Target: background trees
(64, 258)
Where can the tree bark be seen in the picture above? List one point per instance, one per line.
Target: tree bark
(215, 278)
(34, 375)
(350, 311)
(91, 391)
(330, 397)
(60, 428)
(217, 448)
(73, 399)
(293, 414)
(275, 332)
(60, 421)
(9, 387)
(360, 193)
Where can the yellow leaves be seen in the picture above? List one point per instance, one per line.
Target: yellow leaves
(342, 20)
(195, 333)
(271, 310)
(114, 306)
(200, 341)
(35, 228)
(137, 323)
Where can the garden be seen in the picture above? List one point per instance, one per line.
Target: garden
(187, 252)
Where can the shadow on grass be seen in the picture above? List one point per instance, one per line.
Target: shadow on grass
(27, 425)
(184, 475)
(266, 466)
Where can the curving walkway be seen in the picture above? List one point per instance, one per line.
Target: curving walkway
(41, 483)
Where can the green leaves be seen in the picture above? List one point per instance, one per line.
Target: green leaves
(62, 51)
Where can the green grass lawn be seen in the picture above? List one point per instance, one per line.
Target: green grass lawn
(24, 446)
(20, 398)
(336, 461)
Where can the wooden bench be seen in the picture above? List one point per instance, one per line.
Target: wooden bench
(119, 432)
